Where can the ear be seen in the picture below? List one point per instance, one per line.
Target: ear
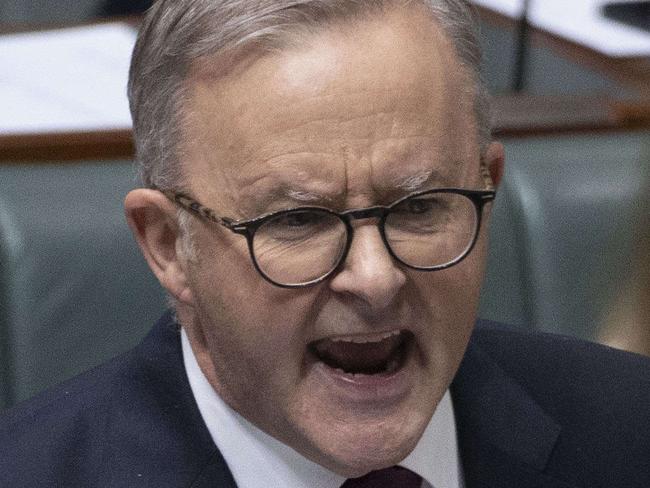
(495, 161)
(152, 219)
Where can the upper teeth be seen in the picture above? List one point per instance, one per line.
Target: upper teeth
(366, 339)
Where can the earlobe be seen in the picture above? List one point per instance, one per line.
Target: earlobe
(152, 219)
(495, 162)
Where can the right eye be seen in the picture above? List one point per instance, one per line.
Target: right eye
(297, 220)
(298, 224)
(427, 213)
(419, 206)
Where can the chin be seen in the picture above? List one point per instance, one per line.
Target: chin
(353, 463)
(352, 449)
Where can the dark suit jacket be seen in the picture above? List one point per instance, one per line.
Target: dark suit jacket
(532, 411)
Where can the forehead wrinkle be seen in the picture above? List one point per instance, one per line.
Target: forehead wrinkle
(280, 161)
(321, 111)
(268, 193)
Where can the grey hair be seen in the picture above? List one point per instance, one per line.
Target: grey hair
(177, 33)
(189, 250)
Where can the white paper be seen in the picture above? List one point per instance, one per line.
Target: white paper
(65, 80)
(580, 21)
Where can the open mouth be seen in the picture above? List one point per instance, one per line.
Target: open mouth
(382, 354)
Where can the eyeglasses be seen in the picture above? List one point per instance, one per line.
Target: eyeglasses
(427, 231)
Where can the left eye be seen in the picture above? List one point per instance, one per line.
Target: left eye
(297, 224)
(300, 219)
(420, 205)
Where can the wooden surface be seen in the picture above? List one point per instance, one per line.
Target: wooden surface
(523, 115)
(67, 146)
(514, 115)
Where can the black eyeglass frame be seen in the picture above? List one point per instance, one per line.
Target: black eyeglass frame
(248, 227)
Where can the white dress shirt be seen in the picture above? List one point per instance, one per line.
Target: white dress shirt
(256, 459)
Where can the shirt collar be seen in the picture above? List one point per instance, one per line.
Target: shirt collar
(435, 457)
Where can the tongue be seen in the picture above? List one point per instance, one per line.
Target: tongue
(365, 358)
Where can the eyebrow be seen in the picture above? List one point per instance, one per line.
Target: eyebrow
(283, 193)
(421, 180)
(305, 196)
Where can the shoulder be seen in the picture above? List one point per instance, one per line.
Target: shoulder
(560, 364)
(62, 425)
(598, 396)
(106, 427)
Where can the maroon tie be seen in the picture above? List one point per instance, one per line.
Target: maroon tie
(395, 477)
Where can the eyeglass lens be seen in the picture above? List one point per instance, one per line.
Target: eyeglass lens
(431, 230)
(299, 246)
(425, 231)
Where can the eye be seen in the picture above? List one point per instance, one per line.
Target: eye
(299, 224)
(420, 205)
(295, 220)
(420, 214)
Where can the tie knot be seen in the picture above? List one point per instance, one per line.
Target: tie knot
(395, 477)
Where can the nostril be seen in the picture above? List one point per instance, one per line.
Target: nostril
(376, 286)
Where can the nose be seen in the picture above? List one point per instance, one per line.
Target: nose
(369, 273)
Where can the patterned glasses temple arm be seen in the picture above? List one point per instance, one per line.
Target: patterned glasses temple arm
(195, 207)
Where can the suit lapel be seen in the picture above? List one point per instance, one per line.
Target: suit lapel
(153, 407)
(505, 438)
(215, 474)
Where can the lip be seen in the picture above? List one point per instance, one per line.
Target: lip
(370, 391)
(363, 337)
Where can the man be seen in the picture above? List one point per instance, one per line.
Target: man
(325, 287)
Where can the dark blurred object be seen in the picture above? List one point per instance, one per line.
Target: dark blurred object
(115, 8)
(626, 321)
(636, 14)
(521, 59)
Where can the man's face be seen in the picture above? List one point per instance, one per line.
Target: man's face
(359, 116)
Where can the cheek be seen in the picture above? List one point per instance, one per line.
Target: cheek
(450, 298)
(255, 332)
(250, 354)
(451, 295)
(463, 299)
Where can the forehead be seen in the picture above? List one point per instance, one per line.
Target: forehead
(357, 107)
